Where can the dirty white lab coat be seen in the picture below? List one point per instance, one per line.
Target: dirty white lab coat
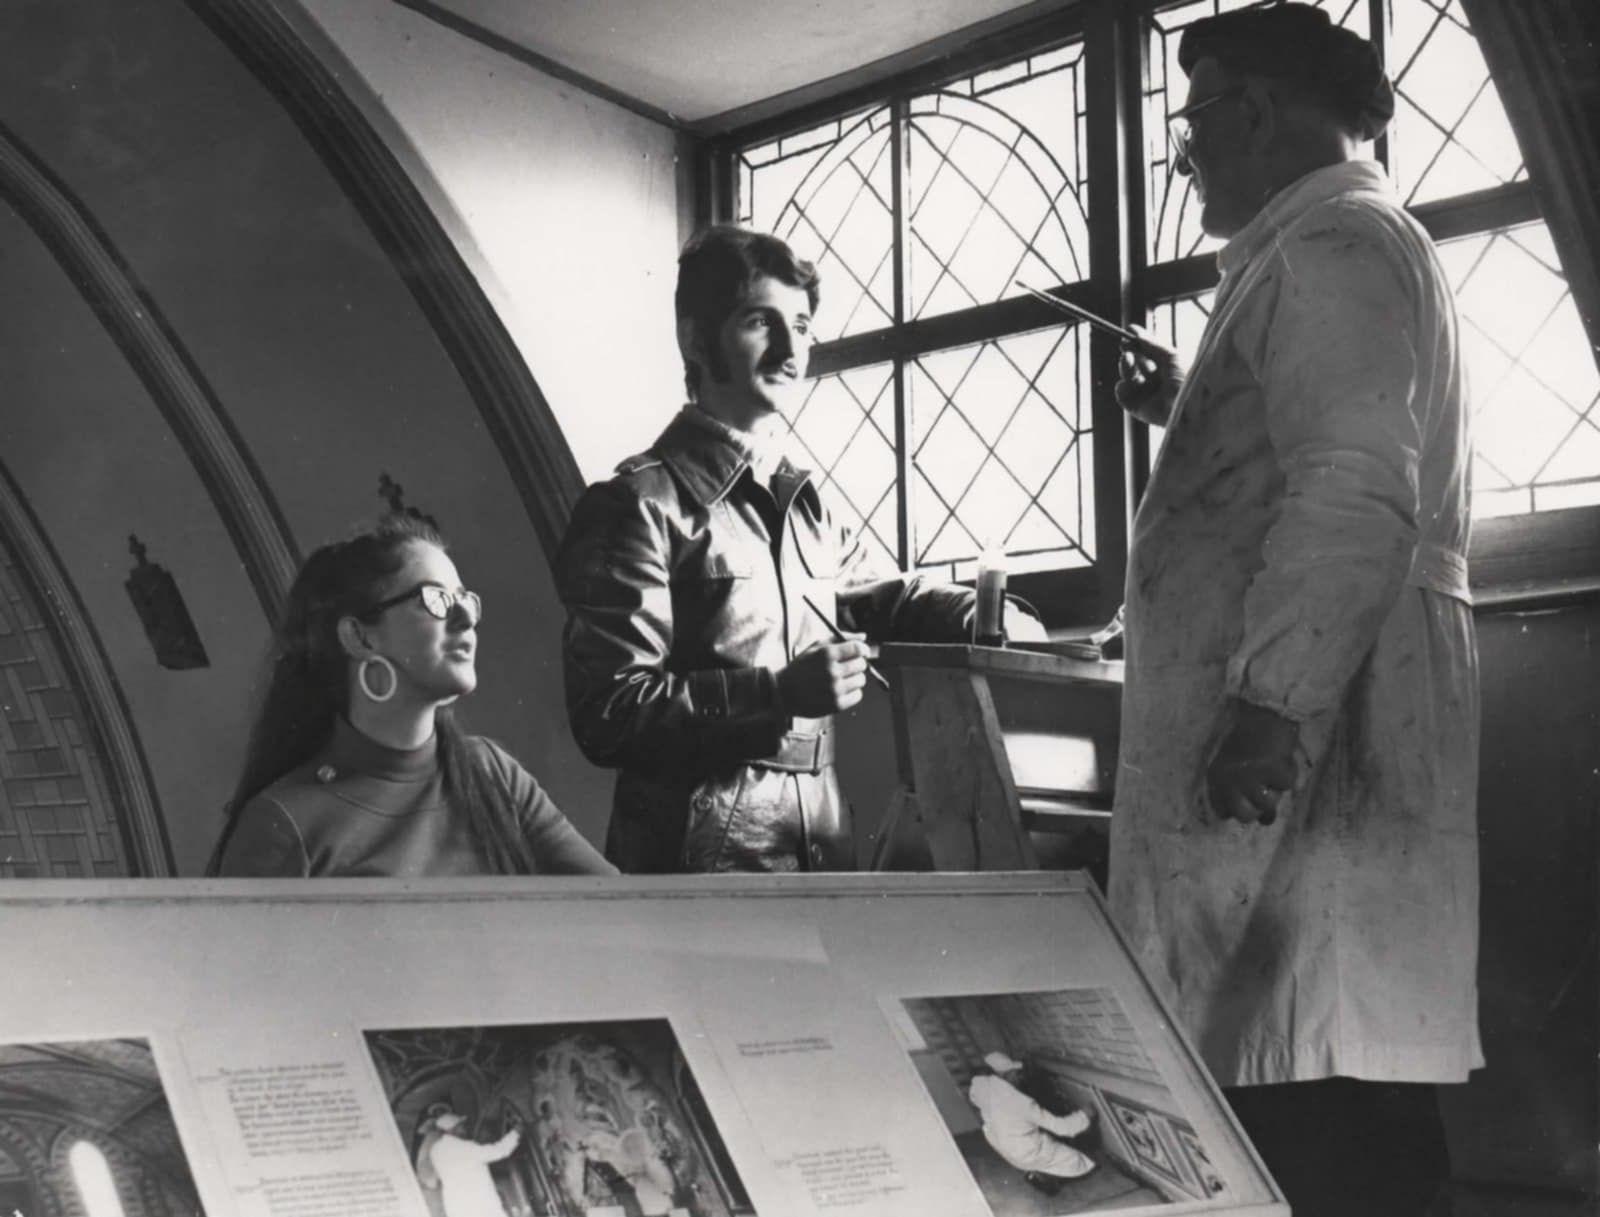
(1017, 1128)
(1301, 546)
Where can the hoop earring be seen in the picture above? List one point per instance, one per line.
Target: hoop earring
(361, 677)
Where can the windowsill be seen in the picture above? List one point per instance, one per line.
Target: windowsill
(1542, 560)
(1536, 594)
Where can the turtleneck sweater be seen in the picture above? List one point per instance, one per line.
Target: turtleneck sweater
(360, 808)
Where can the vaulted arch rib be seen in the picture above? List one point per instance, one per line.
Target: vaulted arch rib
(157, 356)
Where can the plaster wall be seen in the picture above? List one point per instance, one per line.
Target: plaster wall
(570, 208)
(318, 354)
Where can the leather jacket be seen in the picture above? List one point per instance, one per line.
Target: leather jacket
(686, 581)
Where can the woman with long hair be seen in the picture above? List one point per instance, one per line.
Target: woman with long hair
(356, 765)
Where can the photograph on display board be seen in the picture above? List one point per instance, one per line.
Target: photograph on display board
(85, 1127)
(1054, 1102)
(592, 1119)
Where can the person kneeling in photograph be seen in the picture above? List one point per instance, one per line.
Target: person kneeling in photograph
(355, 763)
(1024, 1133)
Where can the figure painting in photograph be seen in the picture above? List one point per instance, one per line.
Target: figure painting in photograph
(456, 1169)
(85, 1127)
(558, 1120)
(1054, 1102)
(1029, 1136)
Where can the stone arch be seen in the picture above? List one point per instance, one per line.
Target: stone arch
(86, 775)
(19, 1144)
(139, 1185)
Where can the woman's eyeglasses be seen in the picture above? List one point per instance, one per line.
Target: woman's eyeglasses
(1180, 127)
(438, 600)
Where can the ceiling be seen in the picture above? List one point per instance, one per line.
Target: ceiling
(710, 63)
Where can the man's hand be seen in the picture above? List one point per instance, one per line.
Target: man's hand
(1073, 1124)
(1255, 767)
(825, 679)
(1148, 380)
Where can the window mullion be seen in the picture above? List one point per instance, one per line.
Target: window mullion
(1379, 23)
(1134, 67)
(1105, 52)
(899, 151)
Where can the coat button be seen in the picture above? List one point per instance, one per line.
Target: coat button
(702, 802)
(326, 773)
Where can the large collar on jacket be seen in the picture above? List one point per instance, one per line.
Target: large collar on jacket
(709, 460)
(1293, 201)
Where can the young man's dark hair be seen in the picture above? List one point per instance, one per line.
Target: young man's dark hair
(715, 271)
(1298, 47)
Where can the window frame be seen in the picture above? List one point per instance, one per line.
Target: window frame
(1516, 560)
(1067, 597)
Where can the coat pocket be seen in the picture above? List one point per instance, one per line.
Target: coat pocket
(713, 807)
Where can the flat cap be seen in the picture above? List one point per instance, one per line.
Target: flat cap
(1298, 42)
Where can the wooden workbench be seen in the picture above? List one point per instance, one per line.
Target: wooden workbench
(993, 744)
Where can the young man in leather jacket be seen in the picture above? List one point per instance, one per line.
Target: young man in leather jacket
(694, 665)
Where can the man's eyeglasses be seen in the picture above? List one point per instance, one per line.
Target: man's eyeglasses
(438, 600)
(1180, 127)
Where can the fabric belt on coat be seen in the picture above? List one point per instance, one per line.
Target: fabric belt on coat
(800, 752)
(1440, 569)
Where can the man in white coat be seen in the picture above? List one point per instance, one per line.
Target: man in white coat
(1294, 851)
(461, 1165)
(1024, 1133)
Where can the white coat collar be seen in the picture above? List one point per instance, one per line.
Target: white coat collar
(1293, 201)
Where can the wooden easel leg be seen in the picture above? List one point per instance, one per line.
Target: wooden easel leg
(889, 825)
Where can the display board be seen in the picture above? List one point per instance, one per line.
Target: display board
(701, 1047)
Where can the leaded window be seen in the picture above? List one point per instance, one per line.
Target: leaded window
(1536, 428)
(1450, 132)
(1533, 383)
(947, 414)
(923, 214)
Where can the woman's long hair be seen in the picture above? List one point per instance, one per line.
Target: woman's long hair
(308, 685)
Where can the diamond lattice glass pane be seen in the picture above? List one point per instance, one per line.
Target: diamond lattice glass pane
(1489, 503)
(1510, 294)
(844, 433)
(828, 193)
(948, 541)
(1450, 134)
(1577, 459)
(1577, 494)
(1486, 477)
(1521, 427)
(1531, 373)
(1002, 452)
(995, 177)
(1172, 223)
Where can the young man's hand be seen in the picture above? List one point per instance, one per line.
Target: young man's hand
(825, 679)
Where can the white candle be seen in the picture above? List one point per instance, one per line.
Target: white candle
(989, 621)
